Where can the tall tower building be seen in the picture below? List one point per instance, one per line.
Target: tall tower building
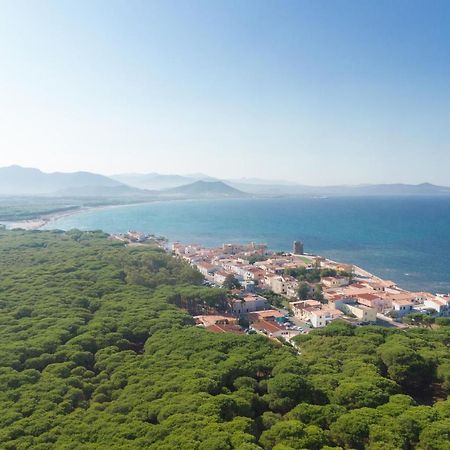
(298, 248)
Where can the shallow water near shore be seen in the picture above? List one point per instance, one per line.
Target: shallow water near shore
(403, 239)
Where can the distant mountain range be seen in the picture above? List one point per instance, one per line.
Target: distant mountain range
(19, 181)
(344, 191)
(16, 180)
(261, 187)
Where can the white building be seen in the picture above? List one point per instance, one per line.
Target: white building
(440, 304)
(284, 285)
(298, 308)
(322, 317)
(249, 303)
(207, 269)
(402, 306)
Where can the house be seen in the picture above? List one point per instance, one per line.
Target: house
(377, 286)
(267, 281)
(334, 282)
(249, 303)
(332, 295)
(421, 297)
(439, 304)
(338, 301)
(234, 266)
(394, 295)
(207, 269)
(402, 306)
(284, 285)
(374, 301)
(298, 307)
(221, 276)
(255, 274)
(317, 313)
(320, 317)
(362, 312)
(356, 289)
(268, 314)
(274, 329)
(208, 320)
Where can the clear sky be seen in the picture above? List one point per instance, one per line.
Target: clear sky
(318, 92)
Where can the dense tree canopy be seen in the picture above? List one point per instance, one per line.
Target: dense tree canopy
(98, 351)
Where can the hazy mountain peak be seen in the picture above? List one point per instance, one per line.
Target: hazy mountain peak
(202, 188)
(17, 180)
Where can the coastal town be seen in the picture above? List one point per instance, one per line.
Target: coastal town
(284, 294)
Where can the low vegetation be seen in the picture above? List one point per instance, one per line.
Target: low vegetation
(97, 351)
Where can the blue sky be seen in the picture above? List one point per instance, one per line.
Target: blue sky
(318, 92)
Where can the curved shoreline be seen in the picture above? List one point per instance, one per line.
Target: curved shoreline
(380, 264)
(40, 222)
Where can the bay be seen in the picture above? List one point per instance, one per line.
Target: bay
(403, 239)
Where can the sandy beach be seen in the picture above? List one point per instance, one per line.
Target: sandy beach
(39, 222)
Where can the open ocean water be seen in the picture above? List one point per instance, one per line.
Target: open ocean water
(403, 239)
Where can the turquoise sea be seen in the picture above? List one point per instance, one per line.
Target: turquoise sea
(403, 239)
